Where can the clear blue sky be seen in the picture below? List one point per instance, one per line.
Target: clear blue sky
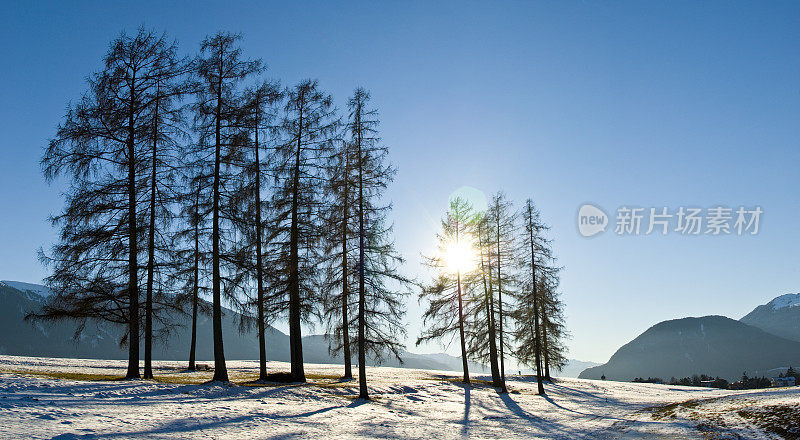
(615, 103)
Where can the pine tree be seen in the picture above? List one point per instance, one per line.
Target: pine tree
(218, 115)
(252, 212)
(168, 76)
(299, 164)
(340, 278)
(482, 339)
(380, 306)
(101, 146)
(190, 250)
(534, 258)
(554, 332)
(456, 278)
(502, 223)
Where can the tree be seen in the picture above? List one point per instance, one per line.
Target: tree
(380, 307)
(482, 344)
(553, 329)
(534, 257)
(100, 146)
(455, 278)
(190, 250)
(502, 221)
(340, 249)
(260, 112)
(167, 74)
(299, 164)
(220, 68)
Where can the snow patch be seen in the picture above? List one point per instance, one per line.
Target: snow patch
(36, 289)
(788, 300)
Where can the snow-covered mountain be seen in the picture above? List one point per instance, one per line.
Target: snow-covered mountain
(28, 288)
(781, 316)
(713, 345)
(783, 301)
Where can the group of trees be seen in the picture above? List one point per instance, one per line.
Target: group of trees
(696, 381)
(193, 176)
(496, 287)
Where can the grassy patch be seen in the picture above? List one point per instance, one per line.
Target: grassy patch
(783, 420)
(66, 375)
(186, 377)
(661, 412)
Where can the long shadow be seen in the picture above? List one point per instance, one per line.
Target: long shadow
(549, 427)
(305, 414)
(517, 410)
(467, 405)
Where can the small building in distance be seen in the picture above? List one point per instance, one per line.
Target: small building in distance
(782, 381)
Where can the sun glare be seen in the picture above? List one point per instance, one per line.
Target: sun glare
(460, 257)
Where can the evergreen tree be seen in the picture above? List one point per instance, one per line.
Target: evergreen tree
(191, 252)
(534, 258)
(502, 223)
(101, 146)
(380, 305)
(218, 113)
(482, 335)
(252, 211)
(455, 280)
(167, 119)
(554, 332)
(341, 246)
(299, 164)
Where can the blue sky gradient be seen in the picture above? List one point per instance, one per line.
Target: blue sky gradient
(614, 103)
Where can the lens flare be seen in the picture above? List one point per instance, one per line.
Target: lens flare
(460, 257)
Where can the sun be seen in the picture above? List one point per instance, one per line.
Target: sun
(459, 257)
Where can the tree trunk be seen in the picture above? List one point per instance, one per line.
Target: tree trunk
(464, 361)
(196, 281)
(133, 283)
(220, 369)
(348, 367)
(540, 386)
(151, 253)
(262, 342)
(295, 336)
(544, 341)
(489, 318)
(362, 355)
(500, 308)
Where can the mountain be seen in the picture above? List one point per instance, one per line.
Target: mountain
(101, 340)
(29, 289)
(781, 316)
(714, 345)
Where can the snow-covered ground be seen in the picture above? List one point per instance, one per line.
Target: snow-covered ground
(45, 398)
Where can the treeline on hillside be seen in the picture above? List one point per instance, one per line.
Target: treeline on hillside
(196, 176)
(496, 287)
(745, 383)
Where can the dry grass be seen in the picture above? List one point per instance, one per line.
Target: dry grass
(186, 377)
(783, 420)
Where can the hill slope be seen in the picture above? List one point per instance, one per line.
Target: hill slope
(781, 316)
(713, 345)
(101, 341)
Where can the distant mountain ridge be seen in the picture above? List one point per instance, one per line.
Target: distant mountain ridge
(101, 340)
(781, 316)
(714, 345)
